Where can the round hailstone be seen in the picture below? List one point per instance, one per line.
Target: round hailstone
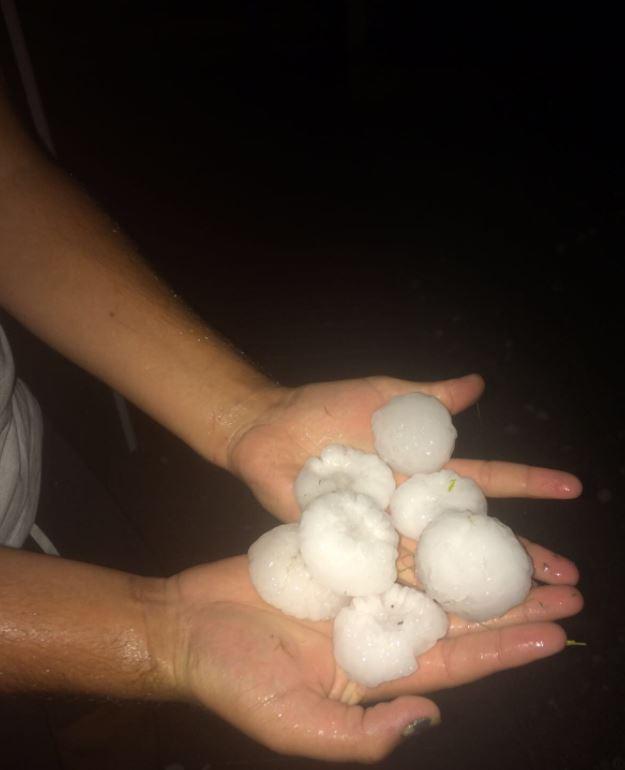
(426, 495)
(377, 638)
(473, 565)
(281, 578)
(349, 544)
(414, 434)
(343, 468)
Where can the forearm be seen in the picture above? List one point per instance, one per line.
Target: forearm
(69, 276)
(67, 627)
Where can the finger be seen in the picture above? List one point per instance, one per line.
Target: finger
(456, 661)
(405, 564)
(543, 604)
(327, 729)
(407, 545)
(550, 567)
(457, 394)
(502, 479)
(473, 656)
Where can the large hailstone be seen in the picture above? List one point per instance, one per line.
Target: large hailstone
(377, 638)
(422, 498)
(473, 565)
(414, 434)
(281, 578)
(349, 544)
(342, 468)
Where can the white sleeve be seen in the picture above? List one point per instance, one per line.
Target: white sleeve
(20, 453)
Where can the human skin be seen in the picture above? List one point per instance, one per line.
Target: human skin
(205, 636)
(74, 280)
(70, 276)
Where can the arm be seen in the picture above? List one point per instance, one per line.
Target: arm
(70, 277)
(205, 636)
(67, 627)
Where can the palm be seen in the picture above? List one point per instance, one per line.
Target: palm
(275, 677)
(252, 664)
(270, 453)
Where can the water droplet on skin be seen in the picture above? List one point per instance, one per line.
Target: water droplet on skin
(551, 569)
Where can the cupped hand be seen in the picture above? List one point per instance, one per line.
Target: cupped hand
(270, 451)
(274, 677)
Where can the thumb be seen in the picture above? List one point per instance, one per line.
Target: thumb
(456, 394)
(330, 730)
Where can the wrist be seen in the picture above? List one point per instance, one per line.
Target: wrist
(69, 627)
(156, 598)
(251, 409)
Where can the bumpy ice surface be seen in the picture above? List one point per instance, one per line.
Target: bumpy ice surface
(414, 434)
(343, 468)
(281, 578)
(472, 565)
(426, 495)
(349, 544)
(377, 638)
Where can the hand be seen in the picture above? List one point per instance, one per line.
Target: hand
(269, 453)
(274, 677)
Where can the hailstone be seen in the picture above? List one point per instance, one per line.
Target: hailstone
(281, 578)
(377, 638)
(344, 468)
(418, 501)
(472, 565)
(414, 434)
(349, 544)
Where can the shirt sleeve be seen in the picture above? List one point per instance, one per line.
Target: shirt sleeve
(20, 453)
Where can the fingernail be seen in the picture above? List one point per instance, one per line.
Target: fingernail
(419, 726)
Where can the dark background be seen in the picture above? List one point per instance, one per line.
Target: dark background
(349, 188)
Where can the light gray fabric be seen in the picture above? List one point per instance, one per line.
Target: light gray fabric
(20, 453)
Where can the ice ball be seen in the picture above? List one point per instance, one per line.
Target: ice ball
(344, 468)
(422, 498)
(377, 638)
(349, 544)
(282, 579)
(414, 434)
(472, 565)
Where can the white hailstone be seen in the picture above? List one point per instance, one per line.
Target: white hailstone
(281, 578)
(343, 468)
(377, 638)
(414, 434)
(473, 565)
(418, 501)
(349, 544)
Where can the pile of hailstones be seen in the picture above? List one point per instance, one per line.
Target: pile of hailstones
(340, 560)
